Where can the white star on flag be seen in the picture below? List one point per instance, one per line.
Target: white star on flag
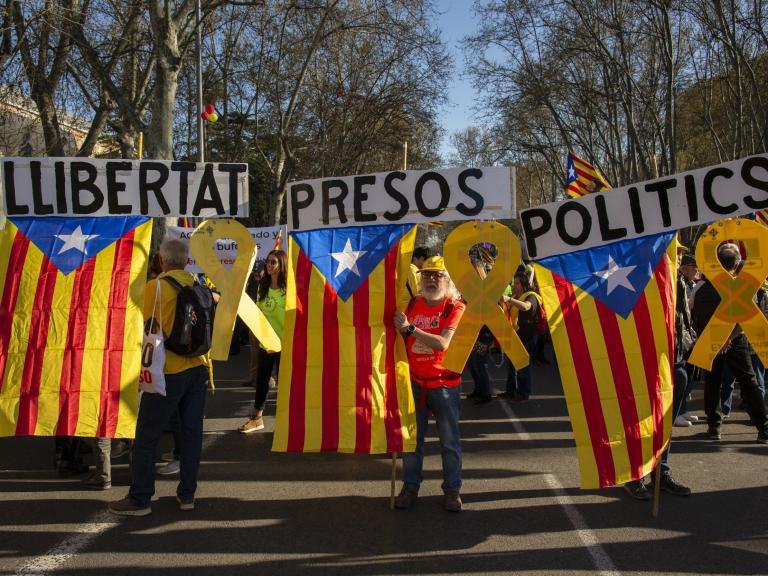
(616, 275)
(348, 258)
(571, 174)
(76, 240)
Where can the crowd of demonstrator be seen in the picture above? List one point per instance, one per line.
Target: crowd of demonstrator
(427, 318)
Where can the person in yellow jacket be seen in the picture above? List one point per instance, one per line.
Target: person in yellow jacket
(186, 380)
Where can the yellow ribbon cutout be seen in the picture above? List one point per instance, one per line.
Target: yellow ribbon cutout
(482, 295)
(737, 294)
(231, 284)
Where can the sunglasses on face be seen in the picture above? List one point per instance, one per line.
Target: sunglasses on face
(436, 275)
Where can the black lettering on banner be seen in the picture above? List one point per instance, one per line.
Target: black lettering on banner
(359, 197)
(586, 223)
(61, 187)
(662, 188)
(233, 170)
(690, 197)
(634, 207)
(709, 198)
(395, 195)
(208, 183)
(532, 232)
(147, 354)
(87, 185)
(746, 175)
(337, 201)
(606, 231)
(445, 194)
(36, 174)
(114, 187)
(297, 204)
(11, 207)
(145, 186)
(183, 168)
(477, 197)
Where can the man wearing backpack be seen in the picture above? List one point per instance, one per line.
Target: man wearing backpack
(186, 379)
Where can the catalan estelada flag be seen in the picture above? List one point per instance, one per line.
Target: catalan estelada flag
(582, 178)
(762, 217)
(611, 314)
(71, 325)
(344, 380)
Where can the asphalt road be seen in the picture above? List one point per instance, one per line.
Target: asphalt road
(262, 513)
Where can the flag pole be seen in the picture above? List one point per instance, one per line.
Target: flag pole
(656, 491)
(394, 454)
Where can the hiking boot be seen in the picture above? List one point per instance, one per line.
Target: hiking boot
(254, 424)
(171, 468)
(125, 507)
(452, 502)
(637, 490)
(670, 486)
(713, 433)
(406, 498)
(96, 482)
(762, 436)
(682, 422)
(185, 504)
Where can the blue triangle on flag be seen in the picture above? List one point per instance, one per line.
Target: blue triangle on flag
(70, 242)
(570, 171)
(615, 274)
(346, 256)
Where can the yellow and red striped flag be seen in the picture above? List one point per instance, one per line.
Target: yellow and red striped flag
(762, 216)
(344, 380)
(611, 313)
(71, 324)
(582, 178)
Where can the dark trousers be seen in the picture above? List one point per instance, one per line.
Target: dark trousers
(185, 392)
(737, 358)
(681, 388)
(266, 362)
(479, 372)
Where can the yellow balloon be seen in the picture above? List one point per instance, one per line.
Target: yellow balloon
(213, 117)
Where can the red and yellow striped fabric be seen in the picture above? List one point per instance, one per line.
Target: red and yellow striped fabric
(70, 345)
(583, 178)
(616, 373)
(344, 380)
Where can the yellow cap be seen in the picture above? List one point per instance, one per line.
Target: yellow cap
(433, 264)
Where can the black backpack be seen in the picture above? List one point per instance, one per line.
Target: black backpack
(193, 323)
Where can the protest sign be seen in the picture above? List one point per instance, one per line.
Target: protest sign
(664, 204)
(96, 187)
(402, 197)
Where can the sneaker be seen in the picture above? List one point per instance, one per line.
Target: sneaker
(452, 502)
(125, 507)
(406, 498)
(713, 433)
(637, 490)
(252, 425)
(690, 417)
(171, 468)
(669, 485)
(762, 436)
(272, 383)
(185, 504)
(122, 448)
(682, 422)
(96, 482)
(167, 456)
(726, 415)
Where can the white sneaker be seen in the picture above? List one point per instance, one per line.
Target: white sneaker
(171, 468)
(681, 422)
(690, 417)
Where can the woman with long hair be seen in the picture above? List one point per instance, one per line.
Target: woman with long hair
(270, 298)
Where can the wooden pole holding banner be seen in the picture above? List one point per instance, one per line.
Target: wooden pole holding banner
(394, 454)
(656, 491)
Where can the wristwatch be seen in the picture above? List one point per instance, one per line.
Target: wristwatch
(410, 330)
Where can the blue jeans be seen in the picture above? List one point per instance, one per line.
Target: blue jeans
(185, 392)
(681, 389)
(446, 405)
(519, 382)
(729, 383)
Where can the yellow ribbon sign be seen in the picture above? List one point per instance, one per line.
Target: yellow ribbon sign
(737, 294)
(231, 285)
(482, 295)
